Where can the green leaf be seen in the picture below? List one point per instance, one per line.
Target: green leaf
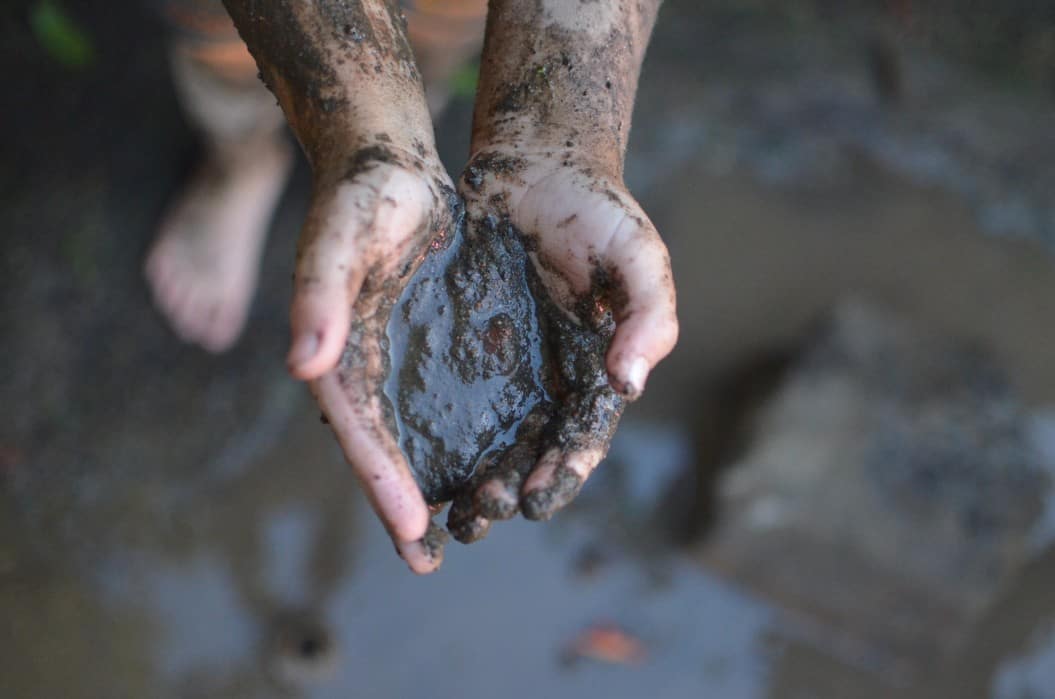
(463, 82)
(59, 36)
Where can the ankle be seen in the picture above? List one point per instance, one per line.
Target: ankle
(262, 155)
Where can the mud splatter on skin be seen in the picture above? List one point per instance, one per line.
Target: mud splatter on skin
(558, 82)
(491, 163)
(337, 68)
(548, 69)
(434, 541)
(542, 504)
(543, 78)
(344, 74)
(368, 156)
(487, 373)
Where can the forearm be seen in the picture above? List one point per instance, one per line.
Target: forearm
(562, 74)
(342, 71)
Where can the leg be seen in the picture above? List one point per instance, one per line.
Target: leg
(203, 265)
(445, 34)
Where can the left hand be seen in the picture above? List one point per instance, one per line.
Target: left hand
(587, 232)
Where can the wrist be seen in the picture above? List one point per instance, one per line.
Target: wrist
(346, 154)
(534, 158)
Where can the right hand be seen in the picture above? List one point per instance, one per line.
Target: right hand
(367, 230)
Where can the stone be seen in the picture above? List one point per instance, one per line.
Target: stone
(888, 490)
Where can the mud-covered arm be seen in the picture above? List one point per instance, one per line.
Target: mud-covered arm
(562, 74)
(344, 75)
(342, 71)
(550, 129)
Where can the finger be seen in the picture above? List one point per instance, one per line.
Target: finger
(580, 435)
(370, 220)
(463, 521)
(497, 497)
(645, 312)
(376, 459)
(425, 555)
(557, 480)
(328, 278)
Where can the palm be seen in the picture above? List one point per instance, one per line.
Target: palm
(582, 229)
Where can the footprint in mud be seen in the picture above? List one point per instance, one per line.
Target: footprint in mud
(488, 375)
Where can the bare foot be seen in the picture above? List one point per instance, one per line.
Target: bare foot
(203, 266)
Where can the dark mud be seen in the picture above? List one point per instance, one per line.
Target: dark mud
(476, 346)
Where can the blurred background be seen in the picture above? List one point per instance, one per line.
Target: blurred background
(838, 486)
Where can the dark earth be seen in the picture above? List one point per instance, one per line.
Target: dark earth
(476, 346)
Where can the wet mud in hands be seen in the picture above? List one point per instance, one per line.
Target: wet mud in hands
(487, 375)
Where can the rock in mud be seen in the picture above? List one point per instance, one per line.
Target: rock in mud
(887, 488)
(475, 346)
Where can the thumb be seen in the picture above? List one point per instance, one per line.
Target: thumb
(646, 322)
(329, 274)
(361, 223)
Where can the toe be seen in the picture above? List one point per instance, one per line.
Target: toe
(196, 314)
(178, 309)
(221, 330)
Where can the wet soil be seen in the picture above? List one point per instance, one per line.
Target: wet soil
(476, 345)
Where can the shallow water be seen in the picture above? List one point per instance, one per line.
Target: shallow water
(188, 605)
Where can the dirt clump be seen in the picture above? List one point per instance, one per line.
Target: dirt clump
(475, 347)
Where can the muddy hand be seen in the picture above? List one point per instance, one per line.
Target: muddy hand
(345, 77)
(362, 242)
(550, 127)
(600, 259)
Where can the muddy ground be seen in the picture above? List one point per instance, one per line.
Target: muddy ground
(179, 525)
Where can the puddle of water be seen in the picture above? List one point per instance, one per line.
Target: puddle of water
(1029, 676)
(284, 537)
(498, 617)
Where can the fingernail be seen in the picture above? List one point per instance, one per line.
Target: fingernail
(542, 503)
(497, 500)
(304, 348)
(636, 377)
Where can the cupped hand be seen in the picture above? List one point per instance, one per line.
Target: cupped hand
(595, 251)
(368, 227)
